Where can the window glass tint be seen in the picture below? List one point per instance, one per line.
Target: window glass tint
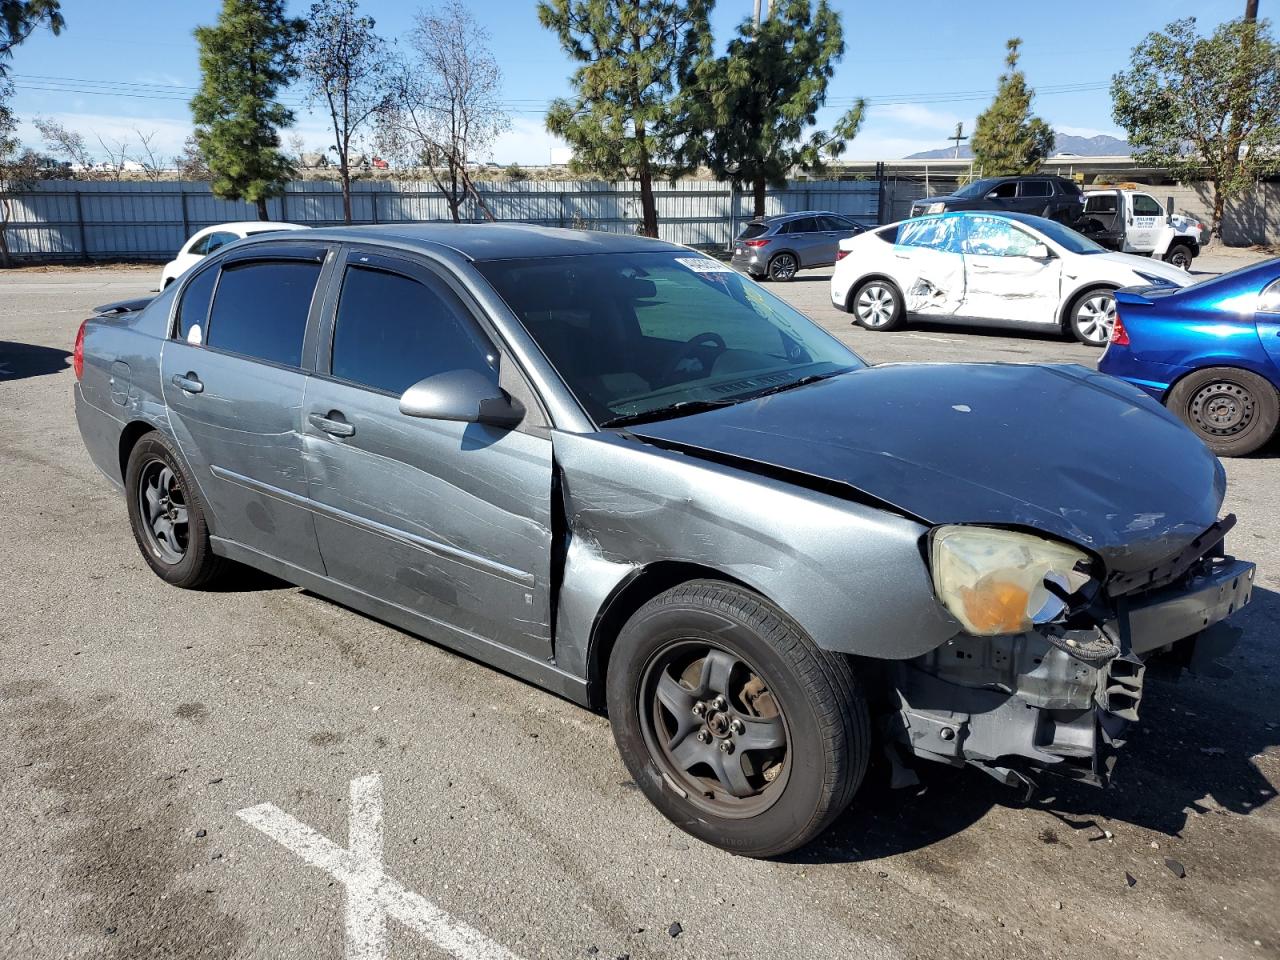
(837, 223)
(1145, 206)
(996, 238)
(1037, 188)
(889, 234)
(1269, 302)
(261, 309)
(753, 230)
(1006, 191)
(201, 246)
(193, 308)
(803, 225)
(1103, 203)
(393, 331)
(932, 232)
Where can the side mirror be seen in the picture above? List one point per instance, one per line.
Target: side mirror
(1168, 210)
(1039, 251)
(465, 396)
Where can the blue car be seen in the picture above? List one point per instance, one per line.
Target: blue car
(1209, 352)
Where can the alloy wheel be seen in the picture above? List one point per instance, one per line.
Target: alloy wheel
(164, 511)
(876, 305)
(1095, 316)
(1222, 409)
(783, 267)
(715, 729)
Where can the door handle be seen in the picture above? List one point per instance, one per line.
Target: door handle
(332, 423)
(188, 382)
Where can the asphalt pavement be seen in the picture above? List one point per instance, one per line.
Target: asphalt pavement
(262, 773)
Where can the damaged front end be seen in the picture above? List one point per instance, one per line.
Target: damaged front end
(1049, 671)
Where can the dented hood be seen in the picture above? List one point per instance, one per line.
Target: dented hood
(1061, 449)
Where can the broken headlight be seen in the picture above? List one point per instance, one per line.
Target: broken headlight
(1000, 581)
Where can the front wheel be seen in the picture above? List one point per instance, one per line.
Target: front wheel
(1233, 411)
(1092, 315)
(1180, 256)
(736, 726)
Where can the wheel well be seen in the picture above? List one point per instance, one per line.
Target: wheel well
(1064, 312)
(129, 438)
(855, 288)
(630, 596)
(1210, 368)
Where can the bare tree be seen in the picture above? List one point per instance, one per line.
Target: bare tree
(445, 111)
(19, 168)
(117, 152)
(190, 162)
(65, 144)
(152, 163)
(347, 69)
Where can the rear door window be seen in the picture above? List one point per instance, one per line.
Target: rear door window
(261, 309)
(990, 237)
(803, 225)
(1037, 188)
(393, 330)
(935, 233)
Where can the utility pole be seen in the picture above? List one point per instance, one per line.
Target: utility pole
(757, 13)
(958, 137)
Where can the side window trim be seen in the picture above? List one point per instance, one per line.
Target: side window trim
(1269, 299)
(175, 313)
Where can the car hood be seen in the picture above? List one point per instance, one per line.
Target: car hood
(1119, 263)
(1060, 449)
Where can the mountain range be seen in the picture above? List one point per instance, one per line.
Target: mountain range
(1065, 144)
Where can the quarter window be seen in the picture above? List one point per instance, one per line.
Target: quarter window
(261, 309)
(393, 331)
(193, 308)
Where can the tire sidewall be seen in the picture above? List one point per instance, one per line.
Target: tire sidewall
(795, 270)
(791, 815)
(1259, 433)
(187, 571)
(1173, 253)
(1072, 324)
(894, 322)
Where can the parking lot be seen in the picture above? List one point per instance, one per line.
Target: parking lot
(142, 728)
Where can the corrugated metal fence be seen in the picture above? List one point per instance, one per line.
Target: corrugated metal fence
(150, 220)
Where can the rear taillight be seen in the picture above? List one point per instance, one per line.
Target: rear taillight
(1119, 335)
(755, 243)
(841, 254)
(77, 355)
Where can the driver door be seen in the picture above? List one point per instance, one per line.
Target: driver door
(1002, 280)
(449, 521)
(1145, 220)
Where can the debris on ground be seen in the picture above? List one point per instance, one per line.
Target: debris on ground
(1175, 867)
(675, 930)
(1048, 836)
(1130, 879)
(201, 834)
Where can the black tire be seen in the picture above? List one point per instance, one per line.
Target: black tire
(869, 301)
(1180, 255)
(779, 681)
(1233, 411)
(183, 555)
(784, 267)
(1091, 315)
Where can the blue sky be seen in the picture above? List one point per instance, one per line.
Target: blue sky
(922, 64)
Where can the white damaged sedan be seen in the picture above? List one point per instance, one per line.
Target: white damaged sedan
(990, 268)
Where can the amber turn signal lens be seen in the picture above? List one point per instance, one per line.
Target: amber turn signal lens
(997, 607)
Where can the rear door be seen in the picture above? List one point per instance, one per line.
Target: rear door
(449, 521)
(1034, 196)
(831, 230)
(1002, 280)
(928, 266)
(233, 377)
(802, 236)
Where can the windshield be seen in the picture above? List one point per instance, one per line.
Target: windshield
(1064, 236)
(978, 188)
(644, 335)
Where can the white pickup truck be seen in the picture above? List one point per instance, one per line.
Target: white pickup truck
(1126, 219)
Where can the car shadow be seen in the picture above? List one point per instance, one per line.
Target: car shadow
(981, 330)
(1192, 751)
(19, 361)
(243, 579)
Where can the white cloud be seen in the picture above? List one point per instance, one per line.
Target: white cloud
(913, 115)
(527, 142)
(112, 128)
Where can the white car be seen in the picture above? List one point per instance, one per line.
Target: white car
(1000, 268)
(205, 241)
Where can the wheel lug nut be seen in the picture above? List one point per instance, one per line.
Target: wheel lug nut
(737, 726)
(718, 703)
(699, 708)
(703, 737)
(726, 746)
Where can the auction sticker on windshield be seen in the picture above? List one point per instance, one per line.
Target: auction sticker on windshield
(704, 265)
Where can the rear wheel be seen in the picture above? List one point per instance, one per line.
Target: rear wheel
(1091, 316)
(784, 267)
(877, 305)
(736, 726)
(1233, 411)
(1180, 256)
(168, 516)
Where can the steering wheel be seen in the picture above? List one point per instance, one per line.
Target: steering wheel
(696, 348)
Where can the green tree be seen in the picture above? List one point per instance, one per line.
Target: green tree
(745, 114)
(633, 55)
(1204, 106)
(244, 60)
(1007, 139)
(20, 18)
(346, 67)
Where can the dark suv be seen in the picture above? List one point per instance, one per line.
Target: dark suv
(1040, 195)
(779, 246)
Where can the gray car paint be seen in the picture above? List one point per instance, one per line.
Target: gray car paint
(520, 547)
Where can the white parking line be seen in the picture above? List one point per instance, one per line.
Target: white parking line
(371, 895)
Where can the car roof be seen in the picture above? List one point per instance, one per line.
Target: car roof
(255, 226)
(497, 241)
(1024, 218)
(784, 217)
